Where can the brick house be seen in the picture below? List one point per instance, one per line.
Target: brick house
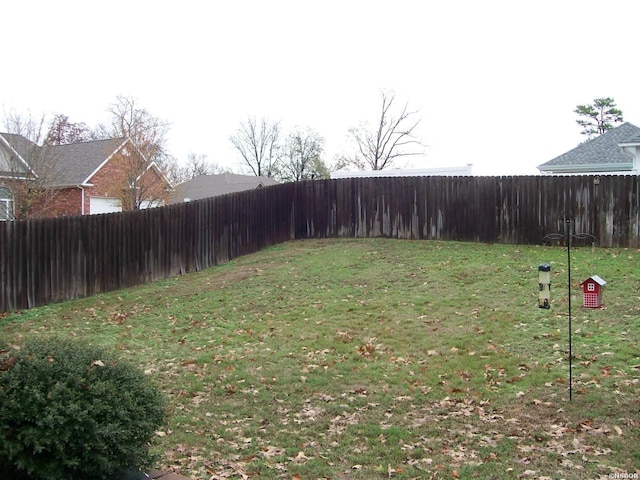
(99, 176)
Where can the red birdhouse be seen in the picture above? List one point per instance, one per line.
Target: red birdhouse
(592, 288)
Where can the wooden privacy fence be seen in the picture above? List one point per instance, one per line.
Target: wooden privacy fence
(50, 260)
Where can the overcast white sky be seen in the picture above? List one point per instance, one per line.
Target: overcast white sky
(495, 81)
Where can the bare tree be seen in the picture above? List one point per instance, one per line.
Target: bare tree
(141, 162)
(257, 143)
(391, 138)
(342, 161)
(196, 165)
(62, 131)
(26, 124)
(301, 157)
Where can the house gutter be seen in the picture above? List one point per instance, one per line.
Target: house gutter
(82, 187)
(83, 195)
(585, 169)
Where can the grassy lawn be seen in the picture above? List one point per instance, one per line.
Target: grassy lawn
(364, 359)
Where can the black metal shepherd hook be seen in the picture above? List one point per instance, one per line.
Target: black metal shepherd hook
(568, 236)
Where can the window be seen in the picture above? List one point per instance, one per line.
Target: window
(591, 287)
(6, 204)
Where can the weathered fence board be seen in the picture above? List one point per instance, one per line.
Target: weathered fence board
(50, 260)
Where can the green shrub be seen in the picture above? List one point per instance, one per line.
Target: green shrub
(73, 411)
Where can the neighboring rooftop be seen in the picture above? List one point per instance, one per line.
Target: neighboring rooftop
(63, 165)
(600, 154)
(75, 163)
(206, 186)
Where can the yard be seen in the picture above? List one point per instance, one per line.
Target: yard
(362, 359)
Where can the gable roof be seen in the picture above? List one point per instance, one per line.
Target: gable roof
(64, 165)
(595, 278)
(22, 148)
(75, 163)
(205, 186)
(600, 154)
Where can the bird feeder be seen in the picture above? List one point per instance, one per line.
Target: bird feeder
(544, 285)
(592, 289)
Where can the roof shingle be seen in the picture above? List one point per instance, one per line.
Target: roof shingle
(74, 163)
(602, 153)
(205, 186)
(64, 165)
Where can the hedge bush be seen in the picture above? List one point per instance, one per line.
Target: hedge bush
(73, 411)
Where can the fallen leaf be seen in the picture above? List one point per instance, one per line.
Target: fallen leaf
(618, 429)
(270, 451)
